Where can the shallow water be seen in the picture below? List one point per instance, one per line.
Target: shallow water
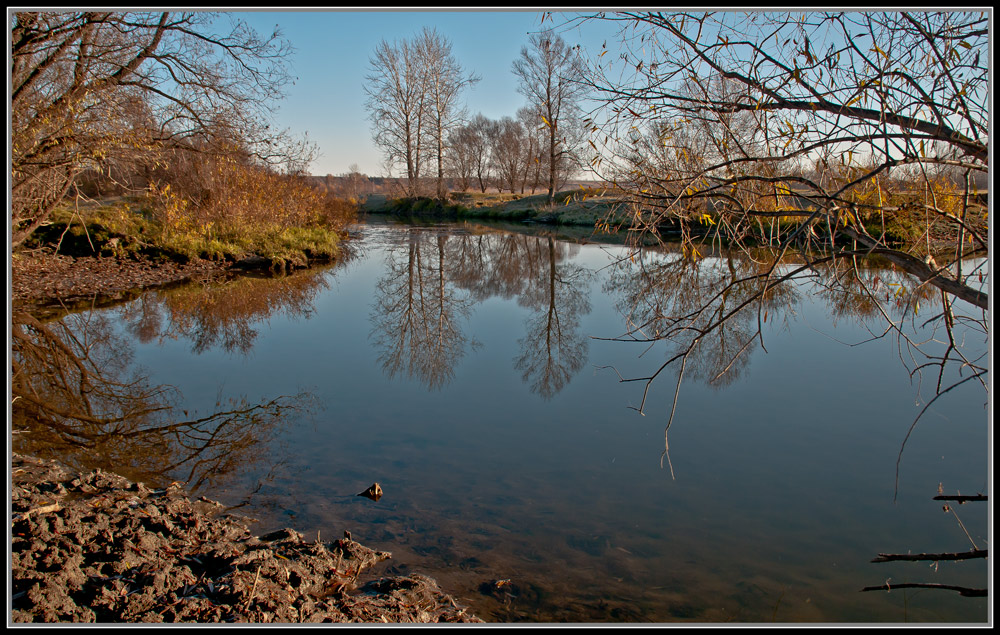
(462, 368)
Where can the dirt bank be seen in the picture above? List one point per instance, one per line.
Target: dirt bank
(97, 547)
(43, 278)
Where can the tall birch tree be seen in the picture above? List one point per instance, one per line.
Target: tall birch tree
(551, 74)
(444, 81)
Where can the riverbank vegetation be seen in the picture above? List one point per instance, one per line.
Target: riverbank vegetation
(582, 206)
(225, 210)
(169, 112)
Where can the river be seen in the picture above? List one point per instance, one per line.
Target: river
(475, 373)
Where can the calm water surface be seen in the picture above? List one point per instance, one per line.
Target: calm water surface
(463, 369)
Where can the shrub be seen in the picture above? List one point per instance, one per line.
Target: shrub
(228, 208)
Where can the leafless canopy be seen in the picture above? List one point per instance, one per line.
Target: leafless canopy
(414, 90)
(550, 73)
(826, 138)
(842, 125)
(89, 86)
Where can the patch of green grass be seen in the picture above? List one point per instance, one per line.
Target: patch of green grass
(313, 242)
(280, 245)
(421, 206)
(127, 229)
(94, 230)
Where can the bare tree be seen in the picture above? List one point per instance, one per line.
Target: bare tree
(481, 129)
(830, 137)
(397, 106)
(445, 80)
(881, 94)
(461, 159)
(533, 159)
(413, 98)
(89, 86)
(470, 155)
(550, 74)
(507, 141)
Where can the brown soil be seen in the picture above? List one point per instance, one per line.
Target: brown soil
(97, 547)
(42, 278)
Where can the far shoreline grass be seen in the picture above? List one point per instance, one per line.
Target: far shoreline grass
(581, 207)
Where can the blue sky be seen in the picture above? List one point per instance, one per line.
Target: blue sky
(331, 61)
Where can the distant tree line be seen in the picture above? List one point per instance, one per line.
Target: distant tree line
(418, 121)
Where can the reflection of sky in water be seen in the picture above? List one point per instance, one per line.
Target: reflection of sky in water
(785, 478)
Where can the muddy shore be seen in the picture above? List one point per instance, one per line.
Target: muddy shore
(41, 278)
(96, 547)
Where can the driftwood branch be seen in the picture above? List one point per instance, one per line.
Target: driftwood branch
(38, 510)
(965, 591)
(966, 555)
(963, 499)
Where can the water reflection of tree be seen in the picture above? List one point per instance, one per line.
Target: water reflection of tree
(553, 349)
(223, 315)
(534, 270)
(496, 264)
(75, 397)
(418, 313)
(420, 303)
(699, 306)
(713, 311)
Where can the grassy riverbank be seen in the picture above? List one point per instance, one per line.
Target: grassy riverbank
(130, 228)
(901, 223)
(580, 207)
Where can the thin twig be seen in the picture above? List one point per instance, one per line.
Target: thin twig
(253, 590)
(38, 510)
(949, 508)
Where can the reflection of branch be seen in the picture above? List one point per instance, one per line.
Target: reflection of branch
(964, 591)
(899, 458)
(702, 309)
(965, 555)
(673, 409)
(68, 392)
